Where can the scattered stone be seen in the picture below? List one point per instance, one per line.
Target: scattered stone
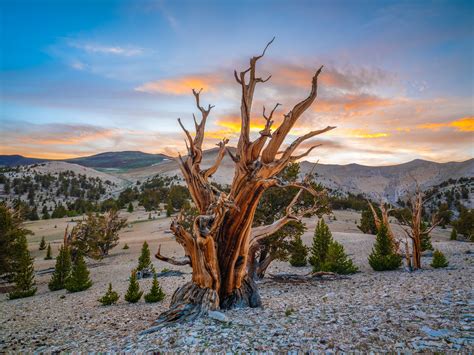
(216, 315)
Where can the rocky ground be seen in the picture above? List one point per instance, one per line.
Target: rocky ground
(429, 310)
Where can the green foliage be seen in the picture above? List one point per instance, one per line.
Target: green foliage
(23, 274)
(130, 207)
(319, 248)
(125, 247)
(97, 235)
(42, 245)
(454, 235)
(178, 195)
(133, 294)
(79, 279)
(156, 294)
(11, 235)
(425, 238)
(110, 297)
(349, 202)
(337, 260)
(289, 312)
(299, 252)
(62, 269)
(144, 261)
(169, 208)
(49, 255)
(189, 214)
(383, 257)
(439, 260)
(367, 222)
(444, 214)
(465, 223)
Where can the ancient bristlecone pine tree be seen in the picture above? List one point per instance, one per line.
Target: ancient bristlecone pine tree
(218, 246)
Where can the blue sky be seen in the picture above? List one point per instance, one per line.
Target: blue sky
(82, 77)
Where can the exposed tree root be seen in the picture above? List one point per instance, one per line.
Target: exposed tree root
(246, 296)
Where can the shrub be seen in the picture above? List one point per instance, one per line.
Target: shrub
(133, 294)
(62, 270)
(130, 207)
(125, 247)
(454, 235)
(337, 260)
(425, 238)
(24, 274)
(299, 252)
(383, 257)
(319, 249)
(79, 279)
(144, 261)
(439, 260)
(42, 245)
(49, 255)
(110, 297)
(156, 294)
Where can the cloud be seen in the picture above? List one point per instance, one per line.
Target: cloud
(106, 49)
(181, 85)
(465, 124)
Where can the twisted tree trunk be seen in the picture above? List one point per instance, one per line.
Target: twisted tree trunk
(219, 245)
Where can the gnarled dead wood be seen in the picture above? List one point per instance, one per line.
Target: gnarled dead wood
(218, 245)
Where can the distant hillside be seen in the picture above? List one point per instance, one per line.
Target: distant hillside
(108, 160)
(14, 160)
(387, 182)
(120, 160)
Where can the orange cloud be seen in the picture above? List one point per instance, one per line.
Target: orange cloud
(182, 85)
(465, 124)
(360, 133)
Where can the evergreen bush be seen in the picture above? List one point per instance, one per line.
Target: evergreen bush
(156, 294)
(133, 294)
(49, 255)
(42, 245)
(79, 279)
(144, 261)
(383, 257)
(439, 260)
(110, 297)
(337, 260)
(454, 234)
(299, 252)
(23, 274)
(125, 247)
(62, 270)
(319, 248)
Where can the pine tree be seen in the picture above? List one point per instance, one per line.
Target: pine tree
(42, 245)
(130, 207)
(156, 294)
(23, 274)
(425, 238)
(133, 294)
(454, 234)
(126, 246)
(337, 260)
(49, 255)
(79, 279)
(169, 209)
(62, 270)
(144, 261)
(299, 252)
(319, 249)
(110, 297)
(439, 260)
(383, 257)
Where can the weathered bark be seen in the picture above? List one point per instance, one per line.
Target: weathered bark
(218, 246)
(415, 232)
(385, 221)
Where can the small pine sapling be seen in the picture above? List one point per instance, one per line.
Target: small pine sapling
(133, 294)
(337, 260)
(24, 273)
(299, 252)
(319, 248)
(110, 297)
(125, 247)
(42, 245)
(49, 255)
(454, 234)
(383, 257)
(62, 270)
(439, 260)
(156, 294)
(79, 279)
(144, 261)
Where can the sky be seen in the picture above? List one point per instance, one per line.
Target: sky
(83, 77)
